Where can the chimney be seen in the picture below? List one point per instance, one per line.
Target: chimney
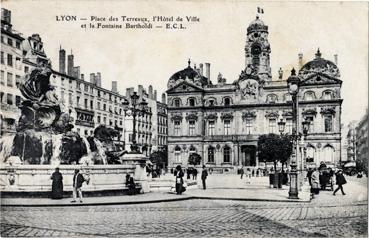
(300, 60)
(6, 16)
(61, 60)
(77, 72)
(202, 69)
(336, 59)
(114, 86)
(98, 79)
(70, 64)
(280, 73)
(163, 98)
(207, 69)
(82, 76)
(150, 92)
(155, 95)
(129, 92)
(92, 78)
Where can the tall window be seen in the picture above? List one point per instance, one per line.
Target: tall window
(10, 60)
(92, 105)
(104, 107)
(328, 123)
(2, 81)
(17, 80)
(211, 128)
(288, 125)
(9, 99)
(176, 103)
(86, 102)
(9, 80)
(98, 119)
(177, 154)
(62, 96)
(78, 101)
(177, 128)
(18, 100)
(227, 102)
(311, 125)
(272, 125)
(328, 154)
(70, 98)
(248, 126)
(191, 125)
(227, 127)
(327, 95)
(309, 96)
(211, 154)
(2, 57)
(227, 154)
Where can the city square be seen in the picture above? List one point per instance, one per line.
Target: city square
(270, 142)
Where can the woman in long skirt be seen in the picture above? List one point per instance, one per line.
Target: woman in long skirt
(57, 185)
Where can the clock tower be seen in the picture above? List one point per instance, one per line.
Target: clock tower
(257, 49)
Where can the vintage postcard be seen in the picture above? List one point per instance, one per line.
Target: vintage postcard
(184, 118)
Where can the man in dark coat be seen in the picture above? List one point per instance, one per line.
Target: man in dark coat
(57, 185)
(204, 175)
(340, 180)
(179, 180)
(78, 180)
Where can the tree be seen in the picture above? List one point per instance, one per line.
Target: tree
(274, 148)
(194, 159)
(159, 158)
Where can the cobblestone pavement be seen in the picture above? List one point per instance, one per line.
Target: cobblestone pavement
(326, 215)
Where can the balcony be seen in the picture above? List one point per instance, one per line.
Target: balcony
(231, 137)
(85, 123)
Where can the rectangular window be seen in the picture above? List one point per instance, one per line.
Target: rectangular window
(78, 86)
(10, 42)
(70, 97)
(9, 80)
(2, 57)
(86, 103)
(18, 100)
(18, 63)
(2, 79)
(328, 123)
(288, 125)
(104, 107)
(311, 125)
(211, 128)
(227, 155)
(98, 105)
(17, 44)
(104, 120)
(78, 101)
(272, 125)
(227, 127)
(98, 119)
(177, 128)
(248, 126)
(2, 97)
(26, 69)
(191, 127)
(211, 155)
(17, 80)
(10, 60)
(92, 105)
(62, 96)
(9, 99)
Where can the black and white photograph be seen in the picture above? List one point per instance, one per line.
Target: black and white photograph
(184, 118)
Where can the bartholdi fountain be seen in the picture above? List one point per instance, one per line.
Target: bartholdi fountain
(44, 140)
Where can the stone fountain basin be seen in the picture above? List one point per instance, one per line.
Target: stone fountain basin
(36, 178)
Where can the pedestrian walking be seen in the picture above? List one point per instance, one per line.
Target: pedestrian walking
(248, 175)
(179, 180)
(57, 185)
(194, 174)
(189, 170)
(78, 180)
(204, 175)
(340, 180)
(308, 175)
(315, 186)
(242, 172)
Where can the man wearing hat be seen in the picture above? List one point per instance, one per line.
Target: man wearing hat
(340, 180)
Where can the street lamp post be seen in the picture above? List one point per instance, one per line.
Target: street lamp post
(293, 88)
(136, 108)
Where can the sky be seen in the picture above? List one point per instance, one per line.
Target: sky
(145, 57)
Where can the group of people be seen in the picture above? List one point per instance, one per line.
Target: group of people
(319, 178)
(179, 174)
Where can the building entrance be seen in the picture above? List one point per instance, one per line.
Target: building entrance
(248, 155)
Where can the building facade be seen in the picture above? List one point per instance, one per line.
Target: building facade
(362, 140)
(222, 121)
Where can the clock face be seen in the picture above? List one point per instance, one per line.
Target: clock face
(256, 50)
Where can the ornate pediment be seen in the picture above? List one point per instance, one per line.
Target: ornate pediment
(176, 117)
(287, 114)
(211, 116)
(319, 78)
(184, 86)
(309, 111)
(272, 114)
(248, 115)
(191, 116)
(249, 73)
(328, 110)
(227, 116)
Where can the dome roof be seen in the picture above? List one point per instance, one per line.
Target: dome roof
(321, 66)
(257, 25)
(190, 74)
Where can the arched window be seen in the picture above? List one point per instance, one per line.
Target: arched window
(272, 98)
(327, 95)
(328, 154)
(211, 154)
(176, 102)
(191, 102)
(227, 101)
(309, 96)
(328, 123)
(310, 153)
(192, 150)
(226, 154)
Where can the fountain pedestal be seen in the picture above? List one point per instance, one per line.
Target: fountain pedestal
(139, 160)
